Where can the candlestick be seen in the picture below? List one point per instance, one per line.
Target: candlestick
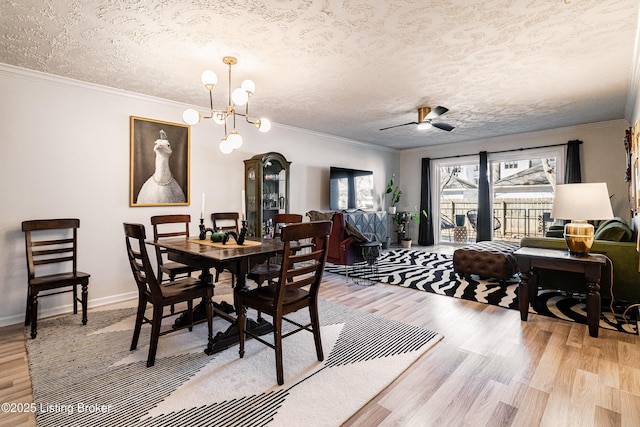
(244, 208)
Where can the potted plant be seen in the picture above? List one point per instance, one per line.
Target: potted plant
(395, 193)
(406, 240)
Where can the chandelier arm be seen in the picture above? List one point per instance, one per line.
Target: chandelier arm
(229, 91)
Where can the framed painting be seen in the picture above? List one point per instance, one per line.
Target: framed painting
(159, 163)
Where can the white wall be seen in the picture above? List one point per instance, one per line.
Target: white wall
(602, 155)
(65, 153)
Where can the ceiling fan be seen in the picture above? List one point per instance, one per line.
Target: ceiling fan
(425, 119)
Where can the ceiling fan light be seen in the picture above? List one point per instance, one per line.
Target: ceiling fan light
(239, 96)
(209, 79)
(263, 125)
(225, 146)
(248, 86)
(424, 126)
(191, 116)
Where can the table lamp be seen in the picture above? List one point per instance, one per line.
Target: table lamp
(579, 203)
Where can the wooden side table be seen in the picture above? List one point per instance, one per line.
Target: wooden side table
(531, 259)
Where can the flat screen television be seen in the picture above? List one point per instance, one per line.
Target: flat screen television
(350, 189)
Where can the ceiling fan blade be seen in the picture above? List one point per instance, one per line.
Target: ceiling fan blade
(438, 111)
(443, 126)
(397, 126)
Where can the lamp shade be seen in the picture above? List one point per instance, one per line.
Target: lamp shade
(584, 201)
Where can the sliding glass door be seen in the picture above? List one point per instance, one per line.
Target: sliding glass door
(457, 199)
(522, 185)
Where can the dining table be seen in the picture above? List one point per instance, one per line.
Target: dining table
(236, 258)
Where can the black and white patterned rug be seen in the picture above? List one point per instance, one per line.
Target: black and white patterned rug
(86, 375)
(434, 273)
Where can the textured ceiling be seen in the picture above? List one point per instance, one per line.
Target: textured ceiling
(350, 67)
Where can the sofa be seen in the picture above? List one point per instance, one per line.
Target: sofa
(614, 239)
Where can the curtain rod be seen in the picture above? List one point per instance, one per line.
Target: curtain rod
(504, 151)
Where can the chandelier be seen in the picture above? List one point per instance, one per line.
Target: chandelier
(236, 98)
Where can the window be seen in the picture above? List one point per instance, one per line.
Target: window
(522, 185)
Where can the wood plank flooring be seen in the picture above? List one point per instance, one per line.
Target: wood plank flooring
(490, 369)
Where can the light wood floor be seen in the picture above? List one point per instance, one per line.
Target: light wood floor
(490, 369)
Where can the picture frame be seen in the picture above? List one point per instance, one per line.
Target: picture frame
(159, 170)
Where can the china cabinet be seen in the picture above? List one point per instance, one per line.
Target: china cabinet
(266, 178)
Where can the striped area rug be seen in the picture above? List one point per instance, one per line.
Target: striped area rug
(86, 375)
(434, 273)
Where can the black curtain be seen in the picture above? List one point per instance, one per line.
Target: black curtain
(572, 172)
(425, 231)
(484, 202)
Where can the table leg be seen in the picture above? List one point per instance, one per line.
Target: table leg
(231, 336)
(524, 293)
(593, 308)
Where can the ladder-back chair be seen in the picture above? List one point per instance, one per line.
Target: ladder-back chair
(160, 295)
(296, 288)
(225, 221)
(53, 242)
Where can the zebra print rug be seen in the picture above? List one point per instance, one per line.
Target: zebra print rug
(86, 375)
(434, 273)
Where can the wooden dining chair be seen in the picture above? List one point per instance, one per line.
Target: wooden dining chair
(170, 226)
(54, 243)
(289, 294)
(160, 295)
(226, 221)
(270, 269)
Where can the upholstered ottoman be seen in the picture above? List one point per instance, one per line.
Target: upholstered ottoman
(493, 259)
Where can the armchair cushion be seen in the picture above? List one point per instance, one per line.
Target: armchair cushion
(614, 230)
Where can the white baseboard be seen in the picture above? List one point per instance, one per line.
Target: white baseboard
(68, 308)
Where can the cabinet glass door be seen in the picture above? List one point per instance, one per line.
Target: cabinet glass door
(274, 197)
(251, 201)
(267, 191)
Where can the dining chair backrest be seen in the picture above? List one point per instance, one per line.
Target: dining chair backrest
(303, 268)
(168, 226)
(280, 220)
(225, 221)
(135, 236)
(56, 248)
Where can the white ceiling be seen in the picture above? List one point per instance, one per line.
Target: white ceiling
(349, 67)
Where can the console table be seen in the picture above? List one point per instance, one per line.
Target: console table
(531, 259)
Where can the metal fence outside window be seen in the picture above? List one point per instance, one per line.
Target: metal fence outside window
(513, 219)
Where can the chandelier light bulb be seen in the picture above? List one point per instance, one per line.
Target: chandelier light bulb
(263, 125)
(239, 96)
(191, 116)
(424, 126)
(236, 98)
(234, 139)
(219, 118)
(209, 79)
(248, 86)
(225, 146)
